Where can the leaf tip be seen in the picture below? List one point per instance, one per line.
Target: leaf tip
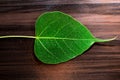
(106, 40)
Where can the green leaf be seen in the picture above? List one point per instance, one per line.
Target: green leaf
(61, 38)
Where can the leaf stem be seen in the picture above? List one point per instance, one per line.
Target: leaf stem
(17, 36)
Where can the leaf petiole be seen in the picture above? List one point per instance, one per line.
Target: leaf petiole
(18, 36)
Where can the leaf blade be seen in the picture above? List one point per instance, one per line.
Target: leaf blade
(64, 37)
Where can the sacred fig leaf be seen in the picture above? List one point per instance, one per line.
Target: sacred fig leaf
(60, 38)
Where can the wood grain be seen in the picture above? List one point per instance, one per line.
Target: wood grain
(100, 62)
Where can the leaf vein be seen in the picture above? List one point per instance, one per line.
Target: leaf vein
(64, 38)
(47, 49)
(61, 28)
(61, 49)
(48, 26)
(68, 47)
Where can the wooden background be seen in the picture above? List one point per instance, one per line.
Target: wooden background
(17, 60)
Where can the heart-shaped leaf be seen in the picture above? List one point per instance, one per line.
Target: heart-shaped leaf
(61, 38)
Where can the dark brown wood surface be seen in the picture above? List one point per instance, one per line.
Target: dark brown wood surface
(100, 62)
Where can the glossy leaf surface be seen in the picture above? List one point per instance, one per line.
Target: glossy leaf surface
(60, 38)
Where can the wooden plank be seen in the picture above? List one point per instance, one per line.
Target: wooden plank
(100, 62)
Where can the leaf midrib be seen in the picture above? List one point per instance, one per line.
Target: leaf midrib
(60, 38)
